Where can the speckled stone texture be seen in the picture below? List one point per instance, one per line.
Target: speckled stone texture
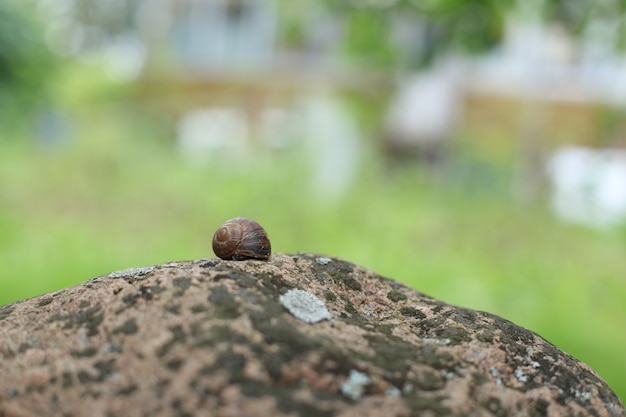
(211, 338)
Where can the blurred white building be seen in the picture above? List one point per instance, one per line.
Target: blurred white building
(212, 37)
(423, 114)
(589, 185)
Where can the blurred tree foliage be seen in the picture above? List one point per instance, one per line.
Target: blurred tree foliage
(384, 34)
(376, 35)
(410, 33)
(26, 63)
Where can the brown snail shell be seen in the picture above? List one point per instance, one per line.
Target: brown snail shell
(240, 239)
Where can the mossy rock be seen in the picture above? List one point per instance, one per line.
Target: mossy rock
(299, 335)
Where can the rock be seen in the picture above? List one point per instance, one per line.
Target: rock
(223, 338)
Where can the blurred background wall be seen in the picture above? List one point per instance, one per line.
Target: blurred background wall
(472, 149)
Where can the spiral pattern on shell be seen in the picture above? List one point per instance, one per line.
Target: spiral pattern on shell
(240, 238)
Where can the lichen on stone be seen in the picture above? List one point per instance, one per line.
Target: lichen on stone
(137, 272)
(323, 260)
(305, 306)
(393, 392)
(520, 375)
(354, 386)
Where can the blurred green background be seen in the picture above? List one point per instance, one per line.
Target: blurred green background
(129, 131)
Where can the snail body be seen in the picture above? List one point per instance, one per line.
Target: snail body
(239, 239)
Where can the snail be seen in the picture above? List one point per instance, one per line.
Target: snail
(240, 239)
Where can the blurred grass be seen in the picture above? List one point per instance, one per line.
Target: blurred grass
(122, 196)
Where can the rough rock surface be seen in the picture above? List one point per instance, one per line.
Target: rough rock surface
(224, 338)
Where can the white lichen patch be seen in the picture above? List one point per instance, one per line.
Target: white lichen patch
(354, 386)
(445, 374)
(393, 392)
(520, 375)
(323, 261)
(581, 395)
(495, 373)
(441, 342)
(305, 306)
(138, 272)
